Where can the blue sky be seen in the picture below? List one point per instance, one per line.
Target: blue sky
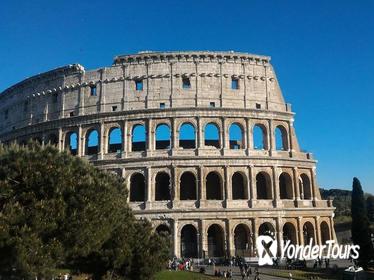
(322, 51)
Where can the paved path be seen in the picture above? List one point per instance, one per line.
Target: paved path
(236, 273)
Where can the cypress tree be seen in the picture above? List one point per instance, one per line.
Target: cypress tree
(361, 234)
(370, 207)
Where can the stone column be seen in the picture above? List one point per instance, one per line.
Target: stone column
(278, 233)
(102, 90)
(314, 186)
(174, 136)
(230, 238)
(270, 137)
(200, 135)
(149, 137)
(60, 140)
(275, 186)
(125, 141)
(204, 238)
(318, 240)
(201, 186)
(149, 188)
(248, 131)
(224, 135)
(255, 223)
(175, 186)
(102, 141)
(253, 188)
(332, 231)
(81, 92)
(290, 144)
(296, 185)
(176, 239)
(227, 186)
(300, 231)
(81, 145)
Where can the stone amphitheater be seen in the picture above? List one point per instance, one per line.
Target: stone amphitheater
(204, 140)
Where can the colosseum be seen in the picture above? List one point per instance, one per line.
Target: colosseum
(204, 141)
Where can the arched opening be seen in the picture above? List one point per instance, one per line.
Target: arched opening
(137, 187)
(289, 233)
(285, 186)
(115, 140)
(92, 142)
(325, 232)
(187, 136)
(162, 137)
(238, 186)
(236, 136)
(189, 242)
(216, 241)
(242, 241)
(281, 141)
(263, 186)
(212, 135)
(72, 142)
(138, 138)
(213, 186)
(266, 229)
(188, 189)
(163, 229)
(308, 232)
(304, 186)
(52, 139)
(162, 186)
(259, 137)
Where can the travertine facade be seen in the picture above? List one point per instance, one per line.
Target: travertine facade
(207, 178)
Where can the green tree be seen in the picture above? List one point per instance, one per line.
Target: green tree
(370, 207)
(360, 224)
(57, 210)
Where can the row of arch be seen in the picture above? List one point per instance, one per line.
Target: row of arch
(187, 138)
(188, 186)
(244, 239)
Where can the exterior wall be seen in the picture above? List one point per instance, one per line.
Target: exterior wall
(54, 104)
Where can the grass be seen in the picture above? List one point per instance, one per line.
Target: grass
(182, 275)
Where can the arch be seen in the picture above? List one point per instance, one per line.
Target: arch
(285, 186)
(163, 229)
(325, 232)
(236, 136)
(305, 187)
(115, 140)
(214, 186)
(308, 232)
(137, 187)
(189, 242)
(162, 137)
(289, 233)
(138, 138)
(216, 241)
(188, 186)
(259, 137)
(263, 186)
(92, 142)
(211, 135)
(187, 136)
(162, 189)
(242, 241)
(52, 139)
(281, 140)
(266, 229)
(71, 142)
(238, 186)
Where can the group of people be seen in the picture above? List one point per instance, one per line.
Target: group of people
(180, 264)
(318, 262)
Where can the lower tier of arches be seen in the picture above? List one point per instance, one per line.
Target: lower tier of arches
(223, 238)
